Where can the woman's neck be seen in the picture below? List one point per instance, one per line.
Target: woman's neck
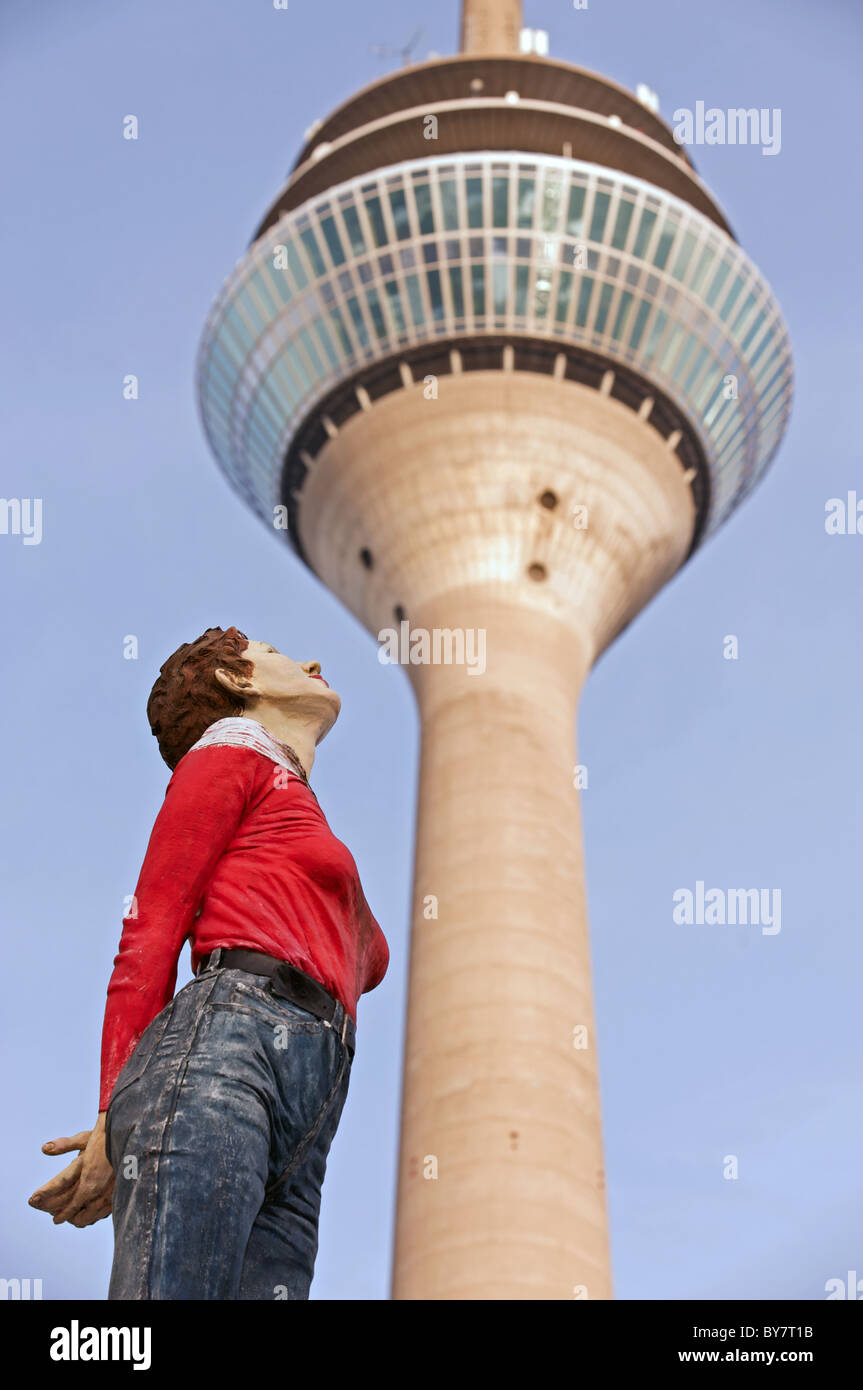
(298, 732)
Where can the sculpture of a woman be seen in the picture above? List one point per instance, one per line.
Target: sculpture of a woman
(218, 1105)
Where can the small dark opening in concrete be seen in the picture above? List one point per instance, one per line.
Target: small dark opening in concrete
(537, 571)
(366, 557)
(548, 499)
(399, 613)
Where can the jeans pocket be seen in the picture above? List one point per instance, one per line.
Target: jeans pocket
(251, 993)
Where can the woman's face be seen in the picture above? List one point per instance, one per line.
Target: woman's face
(278, 679)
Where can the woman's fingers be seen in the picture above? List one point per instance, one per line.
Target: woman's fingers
(93, 1211)
(56, 1191)
(77, 1205)
(65, 1146)
(95, 1186)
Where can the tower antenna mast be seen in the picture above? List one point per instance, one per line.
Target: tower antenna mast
(490, 26)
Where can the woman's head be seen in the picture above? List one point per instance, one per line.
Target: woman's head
(222, 674)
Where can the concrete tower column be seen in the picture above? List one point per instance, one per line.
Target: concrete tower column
(501, 1192)
(490, 26)
(471, 503)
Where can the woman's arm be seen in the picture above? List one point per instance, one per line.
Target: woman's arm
(206, 800)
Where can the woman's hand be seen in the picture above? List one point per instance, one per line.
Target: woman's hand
(82, 1193)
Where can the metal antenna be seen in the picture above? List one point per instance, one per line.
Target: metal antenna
(386, 51)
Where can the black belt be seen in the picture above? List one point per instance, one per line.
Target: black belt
(287, 982)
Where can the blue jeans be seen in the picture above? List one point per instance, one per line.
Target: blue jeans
(218, 1132)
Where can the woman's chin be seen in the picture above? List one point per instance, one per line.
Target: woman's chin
(335, 706)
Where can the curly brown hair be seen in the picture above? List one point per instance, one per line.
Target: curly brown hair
(186, 698)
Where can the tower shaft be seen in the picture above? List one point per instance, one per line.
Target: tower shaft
(490, 26)
(501, 1190)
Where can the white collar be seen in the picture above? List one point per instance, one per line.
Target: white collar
(242, 732)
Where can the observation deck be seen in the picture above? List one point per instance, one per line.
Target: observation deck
(494, 211)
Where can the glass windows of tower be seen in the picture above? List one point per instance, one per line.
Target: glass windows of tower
(640, 321)
(623, 307)
(449, 205)
(552, 196)
(685, 354)
(526, 191)
(326, 341)
(334, 245)
(657, 329)
(697, 365)
(754, 331)
(663, 245)
(422, 193)
(310, 243)
(522, 276)
(731, 298)
(295, 362)
(473, 191)
(598, 216)
(376, 220)
(645, 231)
(705, 261)
(500, 281)
(263, 289)
(435, 295)
(416, 301)
(637, 287)
(584, 293)
(602, 309)
(455, 285)
(671, 346)
(311, 352)
(684, 255)
(742, 319)
(575, 210)
(354, 231)
(564, 288)
(399, 209)
(477, 280)
(722, 272)
(253, 315)
(238, 328)
(358, 322)
(375, 310)
(500, 201)
(621, 225)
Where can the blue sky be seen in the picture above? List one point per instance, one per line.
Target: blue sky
(712, 1040)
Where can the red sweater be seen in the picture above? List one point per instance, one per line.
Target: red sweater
(240, 855)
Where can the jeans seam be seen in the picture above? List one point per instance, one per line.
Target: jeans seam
(313, 1132)
(167, 1127)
